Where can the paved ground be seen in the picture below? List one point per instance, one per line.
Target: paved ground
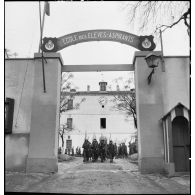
(121, 177)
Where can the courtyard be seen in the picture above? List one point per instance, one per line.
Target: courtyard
(76, 177)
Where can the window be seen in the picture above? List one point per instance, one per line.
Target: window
(9, 113)
(69, 123)
(68, 144)
(102, 123)
(70, 104)
(103, 87)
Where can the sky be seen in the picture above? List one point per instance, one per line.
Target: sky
(22, 35)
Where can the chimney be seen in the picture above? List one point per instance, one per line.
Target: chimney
(102, 85)
(117, 88)
(73, 90)
(88, 87)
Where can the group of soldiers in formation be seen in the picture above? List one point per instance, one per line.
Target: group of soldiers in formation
(91, 151)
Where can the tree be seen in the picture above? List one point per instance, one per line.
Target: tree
(164, 14)
(64, 102)
(64, 96)
(125, 100)
(62, 131)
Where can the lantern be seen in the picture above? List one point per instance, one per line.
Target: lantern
(152, 61)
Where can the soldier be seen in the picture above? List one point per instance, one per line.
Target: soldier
(79, 151)
(124, 150)
(86, 148)
(90, 151)
(76, 150)
(94, 147)
(111, 151)
(129, 148)
(102, 150)
(115, 150)
(134, 148)
(120, 151)
(72, 151)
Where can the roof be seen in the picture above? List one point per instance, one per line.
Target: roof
(179, 104)
(87, 93)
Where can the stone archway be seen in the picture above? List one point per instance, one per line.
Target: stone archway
(43, 145)
(143, 43)
(42, 155)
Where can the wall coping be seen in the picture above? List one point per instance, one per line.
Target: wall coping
(145, 53)
(91, 93)
(50, 55)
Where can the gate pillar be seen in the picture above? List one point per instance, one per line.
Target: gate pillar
(43, 144)
(149, 107)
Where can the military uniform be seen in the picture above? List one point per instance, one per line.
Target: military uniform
(102, 150)
(94, 147)
(115, 150)
(79, 151)
(90, 151)
(72, 151)
(111, 151)
(86, 150)
(120, 151)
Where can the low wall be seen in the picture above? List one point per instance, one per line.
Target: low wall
(16, 152)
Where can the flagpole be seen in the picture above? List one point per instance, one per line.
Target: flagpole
(40, 43)
(161, 43)
(40, 26)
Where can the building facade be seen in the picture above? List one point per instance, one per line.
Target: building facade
(96, 117)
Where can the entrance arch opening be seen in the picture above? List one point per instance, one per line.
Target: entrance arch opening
(54, 67)
(96, 117)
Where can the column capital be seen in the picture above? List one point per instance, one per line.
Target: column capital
(50, 55)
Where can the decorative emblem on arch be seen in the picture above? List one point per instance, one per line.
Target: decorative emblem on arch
(143, 43)
(49, 44)
(146, 43)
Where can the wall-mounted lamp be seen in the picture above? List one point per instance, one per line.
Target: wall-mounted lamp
(152, 61)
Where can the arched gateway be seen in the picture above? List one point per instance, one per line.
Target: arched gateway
(150, 99)
(143, 43)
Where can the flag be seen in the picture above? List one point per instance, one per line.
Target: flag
(47, 8)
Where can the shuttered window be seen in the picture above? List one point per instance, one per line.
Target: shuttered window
(9, 113)
(69, 123)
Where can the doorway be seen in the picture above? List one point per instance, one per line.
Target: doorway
(181, 144)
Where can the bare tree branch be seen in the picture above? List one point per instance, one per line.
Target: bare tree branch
(149, 14)
(183, 17)
(125, 102)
